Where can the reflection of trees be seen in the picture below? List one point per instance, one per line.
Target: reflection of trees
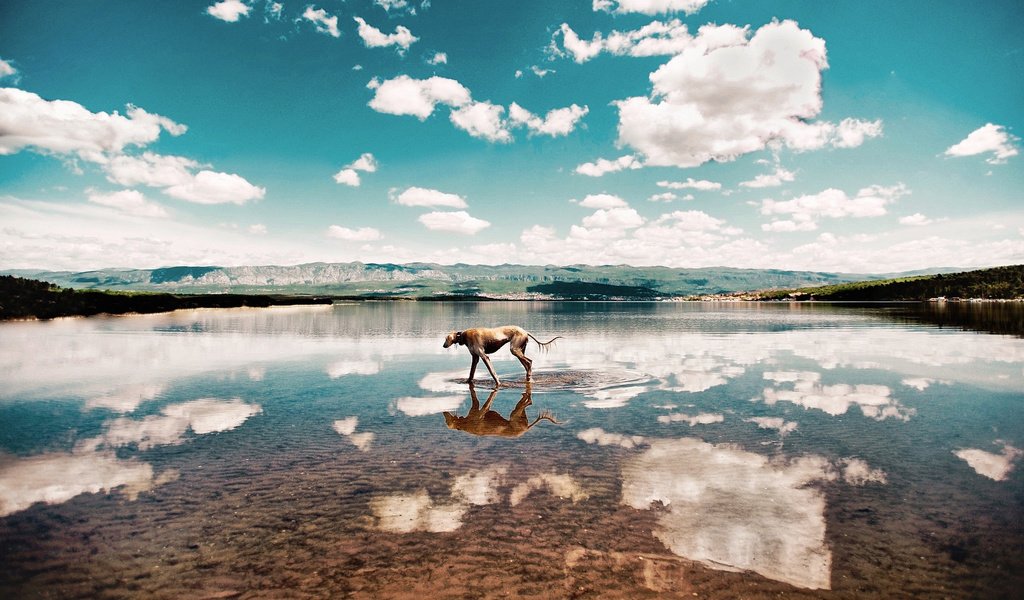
(991, 317)
(481, 420)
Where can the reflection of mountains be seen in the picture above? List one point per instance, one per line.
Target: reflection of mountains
(483, 421)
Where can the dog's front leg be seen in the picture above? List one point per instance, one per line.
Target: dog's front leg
(487, 363)
(472, 368)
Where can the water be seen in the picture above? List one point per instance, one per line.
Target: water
(722, 450)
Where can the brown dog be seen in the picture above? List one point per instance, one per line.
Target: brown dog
(481, 341)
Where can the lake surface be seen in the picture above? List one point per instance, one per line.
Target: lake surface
(711, 450)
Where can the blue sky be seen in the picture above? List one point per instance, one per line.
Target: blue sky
(840, 136)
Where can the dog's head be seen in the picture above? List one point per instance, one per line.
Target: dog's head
(452, 338)
(451, 420)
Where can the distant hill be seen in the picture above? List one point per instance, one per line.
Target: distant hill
(28, 298)
(996, 283)
(428, 280)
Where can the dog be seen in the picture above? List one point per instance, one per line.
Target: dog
(482, 421)
(481, 341)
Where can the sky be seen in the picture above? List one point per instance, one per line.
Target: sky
(859, 137)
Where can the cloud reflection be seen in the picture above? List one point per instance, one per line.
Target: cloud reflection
(206, 415)
(874, 401)
(989, 464)
(404, 513)
(692, 421)
(94, 467)
(125, 399)
(57, 477)
(781, 425)
(726, 507)
(418, 511)
(347, 428)
(558, 484)
(601, 437)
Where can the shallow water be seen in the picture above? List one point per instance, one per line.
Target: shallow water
(722, 450)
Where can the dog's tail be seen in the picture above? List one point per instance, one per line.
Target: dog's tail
(544, 345)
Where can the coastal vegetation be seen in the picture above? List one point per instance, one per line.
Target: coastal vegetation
(999, 283)
(27, 299)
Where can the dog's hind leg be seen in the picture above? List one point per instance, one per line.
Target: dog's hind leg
(527, 362)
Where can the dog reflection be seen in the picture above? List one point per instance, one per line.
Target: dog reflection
(481, 420)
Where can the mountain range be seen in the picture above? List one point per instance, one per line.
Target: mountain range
(425, 280)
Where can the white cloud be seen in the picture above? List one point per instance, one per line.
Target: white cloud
(657, 38)
(915, 219)
(363, 234)
(482, 120)
(988, 138)
(349, 175)
(150, 169)
(229, 10)
(852, 132)
(439, 58)
(175, 174)
(722, 96)
(666, 197)
(375, 38)
(324, 22)
(257, 229)
(390, 5)
(805, 210)
(7, 69)
(616, 218)
(649, 7)
(603, 165)
(417, 196)
(775, 179)
(455, 222)
(539, 72)
(210, 187)
(404, 95)
(131, 202)
(63, 127)
(272, 10)
(603, 201)
(558, 122)
(691, 184)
